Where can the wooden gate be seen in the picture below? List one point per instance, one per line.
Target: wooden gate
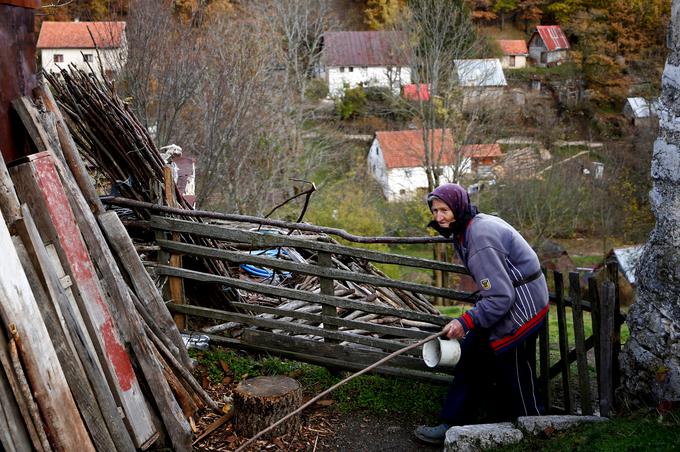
(331, 338)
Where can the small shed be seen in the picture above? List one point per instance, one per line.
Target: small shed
(515, 53)
(641, 112)
(548, 46)
(481, 80)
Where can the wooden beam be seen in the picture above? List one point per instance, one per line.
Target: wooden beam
(215, 314)
(148, 294)
(300, 295)
(328, 362)
(275, 240)
(323, 272)
(18, 307)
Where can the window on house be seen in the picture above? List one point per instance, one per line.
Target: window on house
(512, 60)
(342, 69)
(58, 58)
(351, 69)
(87, 57)
(407, 173)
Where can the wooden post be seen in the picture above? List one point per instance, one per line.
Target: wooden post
(607, 331)
(327, 288)
(579, 343)
(613, 270)
(176, 284)
(596, 320)
(18, 307)
(563, 341)
(544, 360)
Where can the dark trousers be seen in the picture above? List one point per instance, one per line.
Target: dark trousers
(490, 387)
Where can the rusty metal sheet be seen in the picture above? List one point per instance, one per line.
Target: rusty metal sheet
(17, 72)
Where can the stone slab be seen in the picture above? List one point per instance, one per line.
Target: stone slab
(471, 438)
(538, 424)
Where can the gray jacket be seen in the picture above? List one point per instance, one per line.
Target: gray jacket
(499, 260)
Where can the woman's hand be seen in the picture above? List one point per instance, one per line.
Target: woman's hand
(454, 329)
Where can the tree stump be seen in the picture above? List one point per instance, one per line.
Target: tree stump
(261, 401)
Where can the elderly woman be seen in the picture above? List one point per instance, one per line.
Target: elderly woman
(498, 334)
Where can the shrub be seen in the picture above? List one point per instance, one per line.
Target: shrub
(351, 103)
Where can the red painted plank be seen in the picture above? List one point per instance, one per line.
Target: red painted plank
(50, 194)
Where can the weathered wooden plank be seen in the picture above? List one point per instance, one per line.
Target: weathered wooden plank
(73, 370)
(340, 352)
(563, 342)
(18, 432)
(544, 361)
(337, 321)
(275, 240)
(18, 307)
(38, 185)
(607, 331)
(74, 324)
(175, 285)
(300, 295)
(595, 319)
(314, 270)
(326, 287)
(255, 346)
(215, 314)
(579, 344)
(613, 270)
(142, 283)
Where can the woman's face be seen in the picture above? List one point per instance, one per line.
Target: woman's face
(441, 213)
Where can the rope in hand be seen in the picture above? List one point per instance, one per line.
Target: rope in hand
(337, 385)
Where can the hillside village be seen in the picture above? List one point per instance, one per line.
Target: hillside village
(202, 199)
(507, 112)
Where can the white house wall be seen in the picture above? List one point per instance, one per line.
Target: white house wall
(520, 62)
(377, 167)
(368, 76)
(112, 59)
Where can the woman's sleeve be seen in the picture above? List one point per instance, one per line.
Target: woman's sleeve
(487, 267)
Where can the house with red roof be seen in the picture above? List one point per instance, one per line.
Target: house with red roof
(515, 53)
(365, 58)
(396, 161)
(548, 46)
(90, 46)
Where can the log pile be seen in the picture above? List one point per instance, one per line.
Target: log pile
(90, 358)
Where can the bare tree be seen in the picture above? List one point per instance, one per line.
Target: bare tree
(442, 35)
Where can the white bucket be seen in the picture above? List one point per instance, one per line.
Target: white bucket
(440, 352)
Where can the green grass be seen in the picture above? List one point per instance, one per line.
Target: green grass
(587, 261)
(373, 394)
(642, 432)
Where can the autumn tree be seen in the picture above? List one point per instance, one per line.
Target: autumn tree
(383, 13)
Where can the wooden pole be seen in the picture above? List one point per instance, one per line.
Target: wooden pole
(579, 344)
(176, 284)
(563, 341)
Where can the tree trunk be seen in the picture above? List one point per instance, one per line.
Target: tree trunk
(261, 401)
(650, 360)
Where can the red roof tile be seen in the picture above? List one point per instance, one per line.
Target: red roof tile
(513, 46)
(412, 92)
(553, 37)
(404, 148)
(364, 48)
(75, 35)
(478, 151)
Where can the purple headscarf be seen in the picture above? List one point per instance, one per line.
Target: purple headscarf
(458, 200)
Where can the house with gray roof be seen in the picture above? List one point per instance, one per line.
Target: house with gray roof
(365, 58)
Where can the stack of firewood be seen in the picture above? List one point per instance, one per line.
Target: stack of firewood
(90, 356)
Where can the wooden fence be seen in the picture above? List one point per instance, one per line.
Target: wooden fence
(288, 333)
